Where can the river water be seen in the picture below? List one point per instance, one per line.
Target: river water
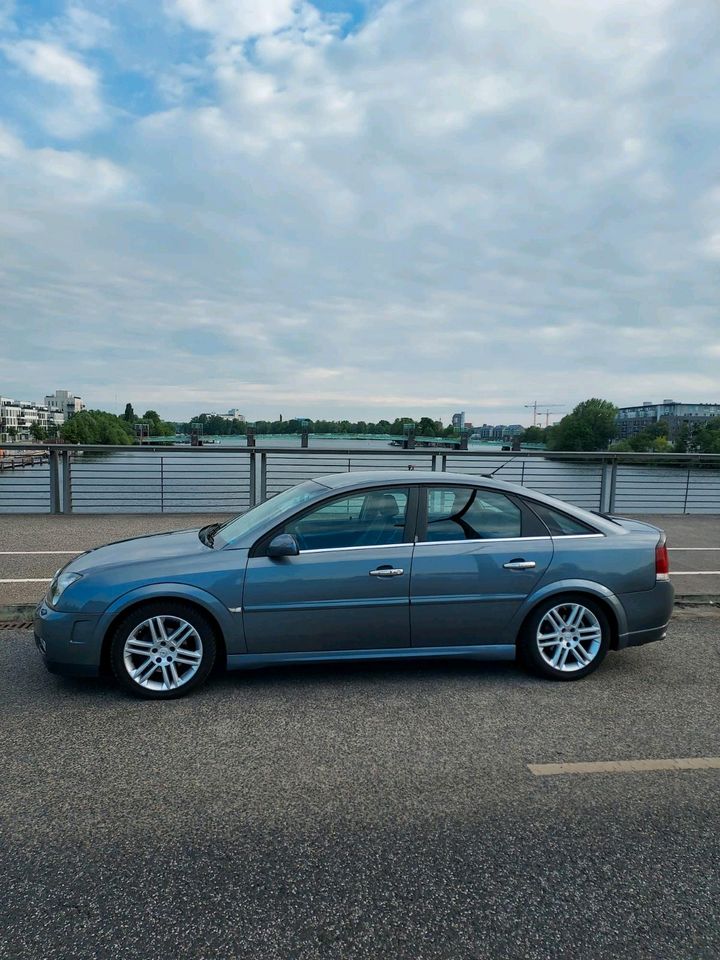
(218, 480)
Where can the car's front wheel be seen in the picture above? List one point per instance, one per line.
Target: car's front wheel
(565, 638)
(163, 650)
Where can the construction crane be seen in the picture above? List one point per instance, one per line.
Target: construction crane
(548, 408)
(550, 413)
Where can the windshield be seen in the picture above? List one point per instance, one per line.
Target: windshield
(262, 516)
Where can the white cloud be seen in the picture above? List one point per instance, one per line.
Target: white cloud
(77, 107)
(454, 205)
(234, 19)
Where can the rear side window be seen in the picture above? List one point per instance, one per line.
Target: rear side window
(560, 524)
(464, 513)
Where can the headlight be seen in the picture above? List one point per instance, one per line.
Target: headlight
(61, 581)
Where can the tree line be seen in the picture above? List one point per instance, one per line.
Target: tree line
(591, 426)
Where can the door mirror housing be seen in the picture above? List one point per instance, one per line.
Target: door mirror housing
(283, 545)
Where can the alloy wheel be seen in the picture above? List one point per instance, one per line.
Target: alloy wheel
(569, 637)
(162, 653)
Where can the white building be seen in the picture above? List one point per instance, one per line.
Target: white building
(66, 402)
(18, 416)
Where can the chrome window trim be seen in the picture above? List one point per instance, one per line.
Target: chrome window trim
(434, 543)
(569, 536)
(378, 546)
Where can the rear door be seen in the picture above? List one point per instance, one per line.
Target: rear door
(480, 553)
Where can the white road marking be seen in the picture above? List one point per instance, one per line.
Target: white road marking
(38, 553)
(625, 766)
(30, 580)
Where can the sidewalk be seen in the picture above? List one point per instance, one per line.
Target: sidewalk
(32, 547)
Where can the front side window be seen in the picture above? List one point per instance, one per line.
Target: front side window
(367, 519)
(465, 513)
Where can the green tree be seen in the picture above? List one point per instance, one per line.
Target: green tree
(426, 427)
(591, 426)
(38, 432)
(129, 414)
(534, 435)
(703, 439)
(95, 426)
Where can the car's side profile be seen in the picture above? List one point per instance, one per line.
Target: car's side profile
(355, 566)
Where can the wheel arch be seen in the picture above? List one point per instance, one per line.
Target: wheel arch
(137, 599)
(607, 600)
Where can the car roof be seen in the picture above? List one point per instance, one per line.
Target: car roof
(365, 478)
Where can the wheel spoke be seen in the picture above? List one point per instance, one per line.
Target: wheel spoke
(145, 670)
(557, 621)
(139, 646)
(549, 640)
(582, 656)
(167, 679)
(174, 675)
(576, 613)
(191, 657)
(181, 635)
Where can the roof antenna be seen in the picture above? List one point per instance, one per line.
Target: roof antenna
(498, 469)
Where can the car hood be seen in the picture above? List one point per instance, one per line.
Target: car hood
(156, 546)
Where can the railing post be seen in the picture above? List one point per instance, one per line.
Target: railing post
(613, 487)
(444, 464)
(162, 484)
(434, 462)
(66, 481)
(252, 494)
(263, 477)
(54, 468)
(687, 487)
(605, 483)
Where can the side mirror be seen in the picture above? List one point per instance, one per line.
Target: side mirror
(283, 545)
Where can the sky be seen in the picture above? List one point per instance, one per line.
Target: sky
(360, 209)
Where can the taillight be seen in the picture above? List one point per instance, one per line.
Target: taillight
(662, 560)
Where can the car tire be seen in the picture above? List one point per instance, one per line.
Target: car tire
(163, 650)
(564, 638)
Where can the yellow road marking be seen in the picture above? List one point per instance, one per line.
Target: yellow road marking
(625, 766)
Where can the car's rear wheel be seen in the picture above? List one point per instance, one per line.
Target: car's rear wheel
(163, 650)
(565, 638)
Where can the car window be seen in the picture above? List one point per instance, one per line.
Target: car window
(264, 513)
(366, 519)
(559, 524)
(464, 513)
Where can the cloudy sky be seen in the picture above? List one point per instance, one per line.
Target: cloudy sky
(360, 209)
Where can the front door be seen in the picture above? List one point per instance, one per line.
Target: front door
(480, 554)
(348, 589)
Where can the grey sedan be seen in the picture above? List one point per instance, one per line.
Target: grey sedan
(358, 566)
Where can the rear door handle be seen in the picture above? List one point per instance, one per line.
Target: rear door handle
(387, 572)
(519, 565)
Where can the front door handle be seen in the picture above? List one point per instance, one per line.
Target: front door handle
(520, 565)
(387, 572)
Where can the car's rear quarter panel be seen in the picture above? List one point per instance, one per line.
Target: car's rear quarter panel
(624, 563)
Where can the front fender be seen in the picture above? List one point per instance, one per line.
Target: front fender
(230, 624)
(571, 586)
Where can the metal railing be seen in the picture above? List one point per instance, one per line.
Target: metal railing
(230, 479)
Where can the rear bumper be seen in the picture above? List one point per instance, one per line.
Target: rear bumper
(65, 642)
(648, 614)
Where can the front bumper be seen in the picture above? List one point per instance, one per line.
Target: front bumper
(66, 642)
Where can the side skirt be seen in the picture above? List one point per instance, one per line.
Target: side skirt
(248, 661)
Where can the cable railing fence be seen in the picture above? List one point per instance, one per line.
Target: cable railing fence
(67, 478)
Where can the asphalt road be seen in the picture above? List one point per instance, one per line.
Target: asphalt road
(364, 812)
(32, 547)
